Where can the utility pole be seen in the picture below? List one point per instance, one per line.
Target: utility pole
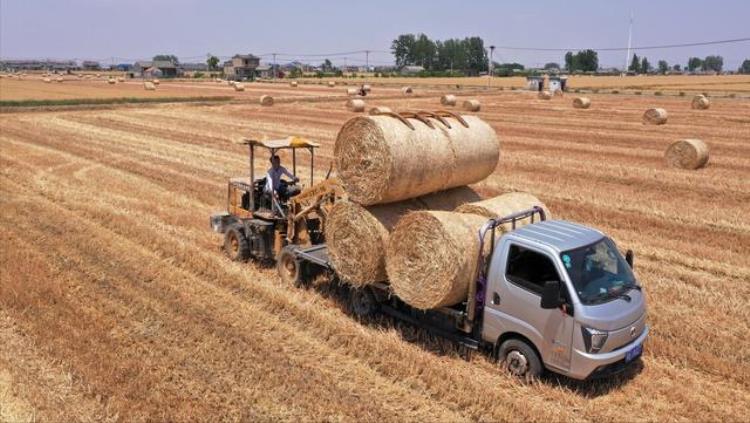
(367, 60)
(491, 67)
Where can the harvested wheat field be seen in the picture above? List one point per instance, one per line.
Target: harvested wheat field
(116, 302)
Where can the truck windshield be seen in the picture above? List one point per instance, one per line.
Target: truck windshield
(598, 272)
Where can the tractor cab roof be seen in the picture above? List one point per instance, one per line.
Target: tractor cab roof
(283, 143)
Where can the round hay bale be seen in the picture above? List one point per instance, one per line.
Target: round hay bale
(581, 102)
(504, 205)
(156, 82)
(266, 100)
(545, 95)
(120, 79)
(381, 160)
(378, 110)
(351, 91)
(687, 154)
(111, 81)
(407, 91)
(700, 102)
(239, 87)
(47, 80)
(331, 83)
(293, 84)
(231, 83)
(655, 116)
(448, 100)
(98, 75)
(149, 86)
(366, 88)
(357, 236)
(432, 256)
(356, 105)
(472, 105)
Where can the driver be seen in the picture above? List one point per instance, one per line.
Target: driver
(273, 178)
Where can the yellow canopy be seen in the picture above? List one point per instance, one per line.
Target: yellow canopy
(289, 142)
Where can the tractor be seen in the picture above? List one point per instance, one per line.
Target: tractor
(267, 227)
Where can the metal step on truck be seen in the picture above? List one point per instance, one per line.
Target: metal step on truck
(551, 295)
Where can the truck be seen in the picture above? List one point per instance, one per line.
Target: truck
(550, 295)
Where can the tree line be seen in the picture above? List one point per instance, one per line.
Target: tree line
(467, 56)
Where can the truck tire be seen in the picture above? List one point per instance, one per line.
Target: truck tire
(289, 268)
(236, 246)
(362, 302)
(519, 359)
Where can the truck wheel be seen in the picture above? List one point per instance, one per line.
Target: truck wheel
(290, 270)
(363, 302)
(236, 246)
(519, 359)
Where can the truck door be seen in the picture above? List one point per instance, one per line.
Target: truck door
(514, 300)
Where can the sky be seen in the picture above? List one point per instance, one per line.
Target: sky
(122, 31)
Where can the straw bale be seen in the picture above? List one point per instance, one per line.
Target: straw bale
(700, 102)
(149, 86)
(351, 91)
(381, 160)
(545, 95)
(504, 205)
(655, 116)
(266, 100)
(448, 100)
(581, 102)
(407, 91)
(472, 105)
(331, 83)
(111, 81)
(293, 84)
(356, 105)
(687, 154)
(47, 80)
(156, 82)
(239, 87)
(366, 88)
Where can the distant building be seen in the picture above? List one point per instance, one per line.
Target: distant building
(123, 67)
(91, 65)
(194, 67)
(411, 70)
(166, 69)
(535, 83)
(264, 71)
(49, 65)
(241, 67)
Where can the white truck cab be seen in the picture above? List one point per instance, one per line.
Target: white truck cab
(561, 296)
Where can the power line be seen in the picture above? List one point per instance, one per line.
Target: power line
(704, 43)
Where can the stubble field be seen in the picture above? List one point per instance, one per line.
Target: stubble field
(117, 304)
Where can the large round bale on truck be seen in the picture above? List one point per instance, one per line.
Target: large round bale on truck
(383, 159)
(357, 236)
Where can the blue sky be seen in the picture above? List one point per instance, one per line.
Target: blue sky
(137, 29)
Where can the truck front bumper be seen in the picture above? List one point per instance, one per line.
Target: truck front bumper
(587, 365)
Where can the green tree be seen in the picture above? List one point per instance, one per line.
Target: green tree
(694, 63)
(713, 63)
(588, 60)
(506, 69)
(403, 49)
(476, 55)
(424, 51)
(570, 63)
(645, 65)
(167, 57)
(551, 65)
(212, 62)
(663, 67)
(745, 67)
(677, 67)
(635, 64)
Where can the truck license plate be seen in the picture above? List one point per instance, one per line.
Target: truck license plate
(633, 353)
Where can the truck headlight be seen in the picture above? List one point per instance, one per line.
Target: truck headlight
(593, 339)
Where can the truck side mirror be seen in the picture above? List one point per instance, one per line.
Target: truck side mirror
(629, 258)
(551, 295)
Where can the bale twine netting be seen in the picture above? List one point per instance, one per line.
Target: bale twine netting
(378, 110)
(357, 236)
(355, 105)
(432, 255)
(655, 116)
(472, 105)
(266, 100)
(380, 159)
(581, 102)
(700, 102)
(545, 95)
(407, 91)
(149, 86)
(687, 154)
(448, 100)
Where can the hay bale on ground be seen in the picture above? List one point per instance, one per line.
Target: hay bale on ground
(156, 82)
(504, 205)
(149, 86)
(432, 256)
(700, 102)
(266, 100)
(655, 116)
(351, 91)
(581, 102)
(239, 87)
(545, 95)
(407, 91)
(380, 110)
(111, 81)
(357, 236)
(47, 80)
(331, 83)
(293, 84)
(448, 100)
(366, 88)
(120, 79)
(472, 105)
(356, 105)
(381, 160)
(687, 154)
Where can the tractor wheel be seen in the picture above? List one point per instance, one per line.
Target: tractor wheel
(236, 246)
(363, 302)
(289, 268)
